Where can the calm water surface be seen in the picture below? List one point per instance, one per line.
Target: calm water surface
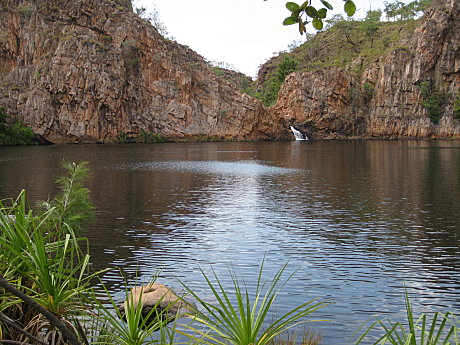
(356, 219)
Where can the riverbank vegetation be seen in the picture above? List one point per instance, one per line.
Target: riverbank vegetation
(13, 132)
(47, 295)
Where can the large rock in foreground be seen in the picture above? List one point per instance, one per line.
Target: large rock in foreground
(161, 299)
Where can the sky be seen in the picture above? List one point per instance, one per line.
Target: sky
(242, 33)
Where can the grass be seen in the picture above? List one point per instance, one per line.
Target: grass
(40, 256)
(135, 330)
(244, 320)
(440, 329)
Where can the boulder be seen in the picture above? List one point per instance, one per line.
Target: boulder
(165, 302)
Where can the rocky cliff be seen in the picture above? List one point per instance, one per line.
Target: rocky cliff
(93, 71)
(409, 91)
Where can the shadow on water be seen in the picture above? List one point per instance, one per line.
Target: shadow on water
(356, 218)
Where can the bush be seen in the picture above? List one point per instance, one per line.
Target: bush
(457, 106)
(269, 93)
(150, 137)
(433, 100)
(14, 134)
(41, 260)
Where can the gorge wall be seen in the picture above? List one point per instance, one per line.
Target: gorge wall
(93, 71)
(387, 99)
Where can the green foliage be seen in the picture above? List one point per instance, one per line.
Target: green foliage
(122, 137)
(15, 133)
(40, 255)
(269, 92)
(218, 71)
(204, 138)
(134, 62)
(368, 91)
(25, 10)
(457, 106)
(370, 24)
(150, 137)
(343, 44)
(307, 13)
(241, 320)
(129, 44)
(137, 329)
(398, 10)
(434, 100)
(354, 94)
(442, 329)
(72, 207)
(223, 112)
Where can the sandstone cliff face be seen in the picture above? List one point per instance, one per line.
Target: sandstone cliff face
(386, 101)
(91, 70)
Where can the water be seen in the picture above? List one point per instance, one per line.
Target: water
(357, 219)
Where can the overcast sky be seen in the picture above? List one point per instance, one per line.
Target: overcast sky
(243, 33)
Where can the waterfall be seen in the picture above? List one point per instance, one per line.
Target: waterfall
(298, 134)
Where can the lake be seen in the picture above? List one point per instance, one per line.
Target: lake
(356, 219)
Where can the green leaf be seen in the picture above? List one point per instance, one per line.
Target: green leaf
(311, 12)
(304, 5)
(317, 23)
(322, 13)
(350, 8)
(290, 21)
(328, 5)
(292, 6)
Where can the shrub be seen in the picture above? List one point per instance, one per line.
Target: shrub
(368, 91)
(433, 100)
(457, 106)
(122, 137)
(134, 62)
(269, 93)
(150, 137)
(40, 257)
(14, 134)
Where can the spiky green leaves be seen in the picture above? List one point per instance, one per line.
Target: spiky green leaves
(313, 14)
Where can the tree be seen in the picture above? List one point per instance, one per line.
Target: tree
(370, 24)
(154, 18)
(334, 20)
(397, 10)
(392, 8)
(307, 13)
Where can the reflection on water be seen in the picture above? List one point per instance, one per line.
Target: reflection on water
(357, 219)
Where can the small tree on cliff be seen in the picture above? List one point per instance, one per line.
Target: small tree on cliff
(153, 16)
(370, 24)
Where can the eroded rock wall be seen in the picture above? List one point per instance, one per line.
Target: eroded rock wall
(386, 101)
(91, 70)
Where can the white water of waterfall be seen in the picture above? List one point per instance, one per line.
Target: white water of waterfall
(298, 134)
